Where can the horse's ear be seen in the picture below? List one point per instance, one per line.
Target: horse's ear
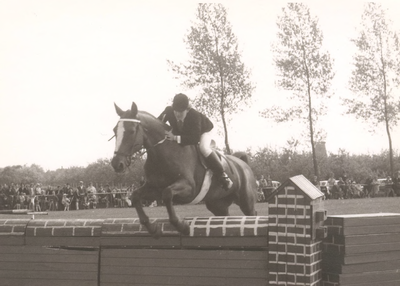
(118, 110)
(134, 109)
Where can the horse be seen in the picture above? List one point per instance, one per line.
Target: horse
(175, 173)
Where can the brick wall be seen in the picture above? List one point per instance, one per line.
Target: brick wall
(218, 251)
(362, 250)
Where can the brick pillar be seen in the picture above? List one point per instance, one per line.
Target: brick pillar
(294, 249)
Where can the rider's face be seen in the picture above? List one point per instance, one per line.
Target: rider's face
(180, 115)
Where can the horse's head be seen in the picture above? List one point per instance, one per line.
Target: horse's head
(129, 137)
(134, 130)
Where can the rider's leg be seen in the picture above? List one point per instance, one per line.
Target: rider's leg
(213, 161)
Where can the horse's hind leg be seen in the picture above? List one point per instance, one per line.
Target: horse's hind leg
(248, 208)
(220, 207)
(247, 203)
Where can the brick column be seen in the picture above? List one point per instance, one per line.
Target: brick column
(294, 249)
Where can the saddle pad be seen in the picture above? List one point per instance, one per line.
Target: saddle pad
(204, 188)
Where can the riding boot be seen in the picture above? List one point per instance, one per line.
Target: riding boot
(216, 166)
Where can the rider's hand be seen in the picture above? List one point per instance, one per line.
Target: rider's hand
(169, 136)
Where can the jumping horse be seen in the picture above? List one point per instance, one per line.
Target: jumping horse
(175, 173)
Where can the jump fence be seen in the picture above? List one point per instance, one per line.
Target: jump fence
(296, 244)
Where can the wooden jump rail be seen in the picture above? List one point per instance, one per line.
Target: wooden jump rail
(23, 212)
(297, 244)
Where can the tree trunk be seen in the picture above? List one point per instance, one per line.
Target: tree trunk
(386, 107)
(390, 149)
(310, 119)
(314, 155)
(228, 149)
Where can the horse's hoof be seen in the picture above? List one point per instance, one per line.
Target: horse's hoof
(184, 228)
(155, 230)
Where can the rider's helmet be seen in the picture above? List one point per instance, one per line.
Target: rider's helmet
(180, 102)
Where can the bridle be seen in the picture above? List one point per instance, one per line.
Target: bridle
(129, 155)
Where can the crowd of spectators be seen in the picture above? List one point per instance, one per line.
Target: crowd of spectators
(342, 187)
(347, 188)
(37, 197)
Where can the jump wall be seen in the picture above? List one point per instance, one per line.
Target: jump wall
(218, 251)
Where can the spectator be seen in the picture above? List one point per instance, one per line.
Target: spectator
(342, 190)
(118, 198)
(91, 196)
(396, 184)
(101, 196)
(260, 194)
(31, 198)
(18, 201)
(82, 195)
(110, 198)
(263, 186)
(127, 197)
(269, 181)
(25, 189)
(332, 188)
(374, 187)
(53, 201)
(65, 202)
(75, 198)
(389, 187)
(368, 185)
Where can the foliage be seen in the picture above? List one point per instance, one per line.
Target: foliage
(280, 165)
(99, 172)
(215, 66)
(283, 165)
(376, 73)
(22, 174)
(304, 69)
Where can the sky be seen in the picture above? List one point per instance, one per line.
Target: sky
(64, 63)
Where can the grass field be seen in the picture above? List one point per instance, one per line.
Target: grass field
(334, 207)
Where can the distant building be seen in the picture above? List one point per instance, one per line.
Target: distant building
(320, 150)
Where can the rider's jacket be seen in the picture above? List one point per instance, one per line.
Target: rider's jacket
(194, 125)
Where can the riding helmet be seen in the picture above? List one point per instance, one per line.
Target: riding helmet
(180, 102)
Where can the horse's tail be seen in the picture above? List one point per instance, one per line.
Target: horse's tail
(242, 156)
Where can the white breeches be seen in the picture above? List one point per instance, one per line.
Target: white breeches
(206, 143)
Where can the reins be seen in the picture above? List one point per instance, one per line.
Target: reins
(129, 156)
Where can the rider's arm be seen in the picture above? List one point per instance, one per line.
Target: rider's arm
(164, 116)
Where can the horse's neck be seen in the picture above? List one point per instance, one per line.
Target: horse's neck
(154, 129)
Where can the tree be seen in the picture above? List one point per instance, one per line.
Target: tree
(376, 73)
(215, 66)
(304, 69)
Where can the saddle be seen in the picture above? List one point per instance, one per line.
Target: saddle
(205, 187)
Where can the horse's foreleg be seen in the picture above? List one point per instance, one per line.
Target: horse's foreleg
(153, 228)
(179, 188)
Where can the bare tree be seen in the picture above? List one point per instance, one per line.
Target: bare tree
(376, 72)
(304, 69)
(215, 66)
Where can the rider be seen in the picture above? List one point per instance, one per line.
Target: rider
(190, 127)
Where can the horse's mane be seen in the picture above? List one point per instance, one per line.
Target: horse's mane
(143, 115)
